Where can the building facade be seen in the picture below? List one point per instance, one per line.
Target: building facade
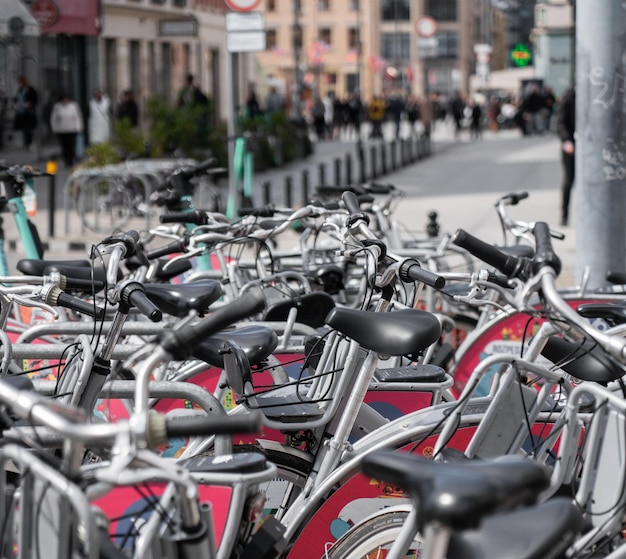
(147, 46)
(417, 46)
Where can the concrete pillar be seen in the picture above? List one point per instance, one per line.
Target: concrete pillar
(600, 190)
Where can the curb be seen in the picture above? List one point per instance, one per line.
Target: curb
(52, 246)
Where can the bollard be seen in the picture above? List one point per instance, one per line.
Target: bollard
(322, 174)
(305, 187)
(288, 191)
(374, 168)
(361, 157)
(51, 169)
(383, 158)
(394, 149)
(337, 166)
(267, 195)
(348, 169)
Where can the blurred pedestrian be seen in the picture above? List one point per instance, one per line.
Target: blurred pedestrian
(328, 101)
(274, 101)
(396, 107)
(354, 110)
(317, 113)
(457, 108)
(26, 100)
(412, 113)
(66, 122)
(376, 115)
(566, 125)
(476, 116)
(191, 94)
(252, 105)
(127, 109)
(99, 118)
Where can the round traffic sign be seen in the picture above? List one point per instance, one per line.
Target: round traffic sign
(426, 26)
(16, 26)
(242, 5)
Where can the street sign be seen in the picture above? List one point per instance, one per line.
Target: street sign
(16, 26)
(426, 27)
(250, 21)
(178, 28)
(245, 41)
(242, 5)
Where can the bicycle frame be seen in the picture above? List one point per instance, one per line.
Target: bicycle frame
(32, 245)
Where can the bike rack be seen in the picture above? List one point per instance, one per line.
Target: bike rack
(149, 172)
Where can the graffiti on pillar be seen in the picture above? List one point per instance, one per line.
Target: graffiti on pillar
(611, 87)
(614, 158)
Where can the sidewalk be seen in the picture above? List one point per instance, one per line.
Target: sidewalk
(434, 183)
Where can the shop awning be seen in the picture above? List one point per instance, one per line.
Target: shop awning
(16, 20)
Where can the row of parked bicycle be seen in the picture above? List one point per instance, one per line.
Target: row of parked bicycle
(309, 383)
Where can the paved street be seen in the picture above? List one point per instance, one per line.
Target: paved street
(461, 180)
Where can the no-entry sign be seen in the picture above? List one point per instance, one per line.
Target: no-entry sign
(242, 5)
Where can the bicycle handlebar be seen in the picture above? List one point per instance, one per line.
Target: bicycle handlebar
(212, 425)
(54, 296)
(133, 293)
(509, 265)
(351, 202)
(179, 245)
(411, 270)
(194, 217)
(181, 343)
(544, 253)
(513, 198)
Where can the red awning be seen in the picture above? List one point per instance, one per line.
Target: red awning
(72, 17)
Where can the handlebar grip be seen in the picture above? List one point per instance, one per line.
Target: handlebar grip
(515, 198)
(83, 284)
(411, 270)
(544, 253)
(80, 277)
(332, 205)
(182, 343)
(498, 279)
(77, 304)
(208, 425)
(505, 263)
(265, 211)
(200, 168)
(138, 298)
(180, 245)
(195, 217)
(379, 188)
(351, 202)
(130, 239)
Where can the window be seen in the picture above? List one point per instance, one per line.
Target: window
(442, 10)
(447, 44)
(396, 10)
(323, 5)
(354, 5)
(180, 3)
(395, 47)
(271, 5)
(325, 35)
(353, 38)
(270, 39)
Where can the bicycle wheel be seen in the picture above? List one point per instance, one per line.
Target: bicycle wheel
(103, 205)
(292, 473)
(373, 538)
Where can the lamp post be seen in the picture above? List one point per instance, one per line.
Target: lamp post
(359, 44)
(296, 29)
